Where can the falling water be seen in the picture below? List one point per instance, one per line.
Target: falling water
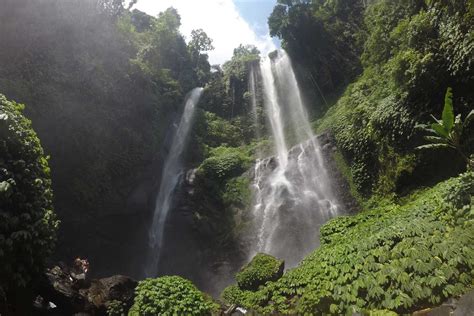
(293, 195)
(253, 100)
(172, 173)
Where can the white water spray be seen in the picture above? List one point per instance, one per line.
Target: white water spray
(171, 176)
(293, 195)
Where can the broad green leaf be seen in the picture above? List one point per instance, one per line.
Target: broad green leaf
(448, 112)
(440, 129)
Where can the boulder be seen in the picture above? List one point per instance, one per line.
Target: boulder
(71, 296)
(115, 288)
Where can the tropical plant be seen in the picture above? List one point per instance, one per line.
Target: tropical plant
(447, 132)
(170, 295)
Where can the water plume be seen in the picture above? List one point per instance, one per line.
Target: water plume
(173, 172)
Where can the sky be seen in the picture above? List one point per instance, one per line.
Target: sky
(228, 22)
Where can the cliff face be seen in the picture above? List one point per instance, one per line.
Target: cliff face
(341, 185)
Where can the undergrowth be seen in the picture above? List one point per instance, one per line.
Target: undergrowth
(398, 257)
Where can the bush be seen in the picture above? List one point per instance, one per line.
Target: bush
(233, 295)
(261, 269)
(170, 295)
(27, 221)
(396, 257)
(224, 163)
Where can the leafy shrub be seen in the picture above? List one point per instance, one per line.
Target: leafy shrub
(261, 269)
(170, 295)
(233, 295)
(27, 221)
(397, 257)
(224, 162)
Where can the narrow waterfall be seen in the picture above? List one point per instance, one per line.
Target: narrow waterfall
(293, 195)
(253, 100)
(171, 176)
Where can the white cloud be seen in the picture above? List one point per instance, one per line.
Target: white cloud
(218, 18)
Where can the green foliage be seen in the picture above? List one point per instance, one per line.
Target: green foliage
(233, 295)
(27, 222)
(397, 257)
(261, 269)
(237, 192)
(214, 131)
(198, 44)
(224, 163)
(170, 295)
(413, 50)
(116, 308)
(449, 131)
(325, 37)
(381, 18)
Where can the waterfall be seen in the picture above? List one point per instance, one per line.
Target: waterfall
(293, 195)
(253, 100)
(171, 176)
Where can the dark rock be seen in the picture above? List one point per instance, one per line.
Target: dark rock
(462, 306)
(59, 287)
(341, 186)
(82, 297)
(117, 287)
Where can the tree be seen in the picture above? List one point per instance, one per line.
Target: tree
(447, 132)
(27, 222)
(112, 8)
(198, 44)
(165, 55)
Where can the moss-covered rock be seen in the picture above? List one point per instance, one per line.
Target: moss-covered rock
(224, 163)
(260, 270)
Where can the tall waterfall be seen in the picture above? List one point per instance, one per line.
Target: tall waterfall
(293, 195)
(171, 176)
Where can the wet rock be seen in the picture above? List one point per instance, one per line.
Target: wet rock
(117, 287)
(72, 296)
(462, 306)
(59, 287)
